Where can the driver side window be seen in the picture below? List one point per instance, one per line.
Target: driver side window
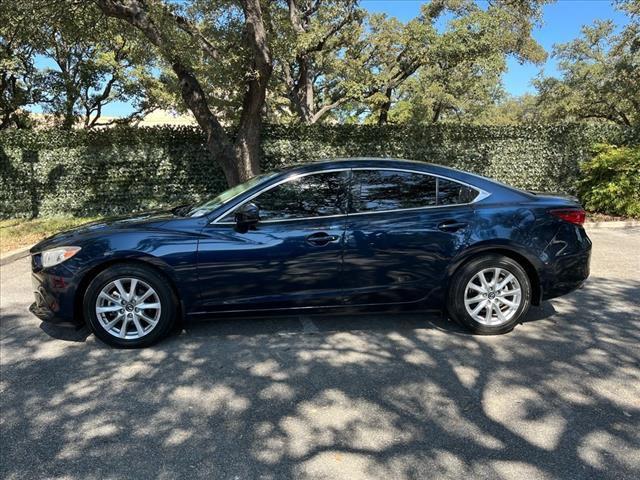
(314, 195)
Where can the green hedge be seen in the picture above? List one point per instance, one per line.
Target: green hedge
(610, 181)
(52, 172)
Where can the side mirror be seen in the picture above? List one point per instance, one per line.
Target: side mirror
(247, 216)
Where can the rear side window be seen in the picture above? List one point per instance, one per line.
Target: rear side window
(381, 190)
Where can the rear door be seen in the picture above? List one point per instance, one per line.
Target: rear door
(403, 229)
(292, 258)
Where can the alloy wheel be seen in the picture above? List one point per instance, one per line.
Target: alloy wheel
(128, 308)
(493, 296)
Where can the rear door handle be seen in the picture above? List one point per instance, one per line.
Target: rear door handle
(451, 226)
(321, 238)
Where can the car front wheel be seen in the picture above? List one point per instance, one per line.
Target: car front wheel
(129, 306)
(490, 294)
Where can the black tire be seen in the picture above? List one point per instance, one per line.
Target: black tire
(456, 294)
(165, 294)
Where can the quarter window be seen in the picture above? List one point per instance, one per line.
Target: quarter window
(315, 195)
(452, 193)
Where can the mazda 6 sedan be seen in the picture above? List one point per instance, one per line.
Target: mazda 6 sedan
(357, 233)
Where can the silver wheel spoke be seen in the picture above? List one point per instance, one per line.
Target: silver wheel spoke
(146, 295)
(123, 328)
(113, 322)
(139, 328)
(496, 276)
(112, 308)
(108, 297)
(499, 313)
(510, 293)
(479, 307)
(132, 289)
(148, 320)
(147, 306)
(476, 299)
(120, 288)
(504, 282)
(483, 281)
(508, 303)
(477, 288)
(488, 314)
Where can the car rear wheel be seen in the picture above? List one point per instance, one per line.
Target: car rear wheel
(490, 294)
(129, 306)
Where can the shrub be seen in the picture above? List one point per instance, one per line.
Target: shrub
(611, 181)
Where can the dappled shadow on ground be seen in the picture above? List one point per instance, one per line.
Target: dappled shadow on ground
(357, 396)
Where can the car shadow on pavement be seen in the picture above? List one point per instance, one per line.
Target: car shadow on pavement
(336, 321)
(361, 396)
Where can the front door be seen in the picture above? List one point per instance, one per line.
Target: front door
(293, 256)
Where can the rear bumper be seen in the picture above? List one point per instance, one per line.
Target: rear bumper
(566, 273)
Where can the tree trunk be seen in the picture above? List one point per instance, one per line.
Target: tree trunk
(307, 85)
(247, 144)
(437, 112)
(383, 118)
(69, 118)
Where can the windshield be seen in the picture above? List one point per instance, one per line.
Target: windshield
(224, 197)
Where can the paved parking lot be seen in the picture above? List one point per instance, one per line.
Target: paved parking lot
(350, 397)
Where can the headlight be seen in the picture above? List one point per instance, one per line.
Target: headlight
(58, 255)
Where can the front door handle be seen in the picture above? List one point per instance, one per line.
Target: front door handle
(451, 226)
(321, 238)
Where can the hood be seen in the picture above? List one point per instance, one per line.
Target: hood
(154, 219)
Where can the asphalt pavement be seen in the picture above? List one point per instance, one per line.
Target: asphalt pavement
(369, 396)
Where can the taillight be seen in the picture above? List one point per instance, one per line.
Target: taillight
(571, 215)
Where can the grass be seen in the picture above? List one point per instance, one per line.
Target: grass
(18, 232)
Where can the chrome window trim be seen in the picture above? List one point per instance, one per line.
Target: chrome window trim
(482, 194)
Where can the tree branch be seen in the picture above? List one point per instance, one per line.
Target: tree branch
(327, 108)
(134, 12)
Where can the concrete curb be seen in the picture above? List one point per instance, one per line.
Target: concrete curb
(613, 224)
(14, 255)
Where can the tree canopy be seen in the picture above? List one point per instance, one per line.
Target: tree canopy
(235, 63)
(600, 75)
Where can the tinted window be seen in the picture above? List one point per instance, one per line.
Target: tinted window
(451, 193)
(316, 195)
(377, 190)
(225, 196)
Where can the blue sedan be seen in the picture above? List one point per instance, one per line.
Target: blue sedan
(363, 233)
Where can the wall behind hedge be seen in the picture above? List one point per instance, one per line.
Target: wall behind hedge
(44, 173)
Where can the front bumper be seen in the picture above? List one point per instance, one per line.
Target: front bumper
(54, 291)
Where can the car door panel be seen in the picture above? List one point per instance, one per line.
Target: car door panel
(401, 257)
(277, 265)
(292, 257)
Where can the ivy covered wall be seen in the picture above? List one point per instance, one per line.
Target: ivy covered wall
(120, 170)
